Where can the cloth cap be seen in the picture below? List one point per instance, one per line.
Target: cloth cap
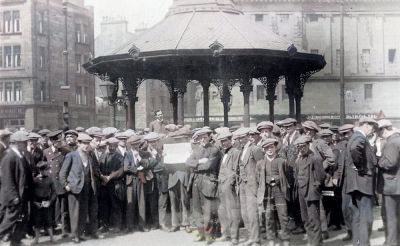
(268, 141)
(234, 128)
(109, 130)
(92, 130)
(82, 137)
(334, 128)
(224, 135)
(135, 139)
(276, 129)
(5, 132)
(202, 131)
(44, 132)
(19, 136)
(220, 130)
(326, 132)
(265, 124)
(113, 140)
(80, 129)
(310, 125)
(34, 135)
(302, 140)
(72, 132)
(253, 130)
(368, 120)
(121, 135)
(384, 123)
(241, 132)
(97, 134)
(42, 165)
(54, 134)
(183, 132)
(146, 129)
(152, 136)
(325, 126)
(345, 128)
(130, 133)
(287, 122)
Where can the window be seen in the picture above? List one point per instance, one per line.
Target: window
(41, 23)
(17, 55)
(78, 95)
(337, 62)
(366, 56)
(367, 91)
(259, 17)
(78, 32)
(314, 51)
(8, 91)
(1, 22)
(42, 90)
(1, 57)
(7, 56)
(392, 56)
(260, 92)
(313, 17)
(41, 57)
(7, 22)
(85, 31)
(1, 92)
(78, 63)
(284, 94)
(16, 21)
(85, 95)
(17, 91)
(283, 18)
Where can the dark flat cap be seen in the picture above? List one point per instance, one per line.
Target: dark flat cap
(325, 126)
(72, 132)
(287, 122)
(265, 124)
(268, 141)
(334, 128)
(33, 135)
(234, 128)
(276, 129)
(42, 165)
(54, 134)
(121, 135)
(326, 132)
(241, 132)
(113, 140)
(44, 132)
(310, 125)
(346, 127)
(302, 140)
(135, 139)
(82, 137)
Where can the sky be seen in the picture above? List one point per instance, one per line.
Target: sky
(138, 13)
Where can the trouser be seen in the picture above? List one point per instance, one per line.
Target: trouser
(322, 216)
(311, 219)
(203, 209)
(332, 206)
(162, 208)
(276, 202)
(79, 211)
(14, 221)
(179, 205)
(151, 207)
(346, 210)
(249, 211)
(229, 210)
(362, 209)
(392, 207)
(134, 205)
(110, 207)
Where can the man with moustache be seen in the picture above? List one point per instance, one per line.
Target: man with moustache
(70, 139)
(229, 208)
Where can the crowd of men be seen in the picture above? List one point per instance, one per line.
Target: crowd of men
(275, 180)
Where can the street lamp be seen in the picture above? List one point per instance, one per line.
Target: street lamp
(109, 91)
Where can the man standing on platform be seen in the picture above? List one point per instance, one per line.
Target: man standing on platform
(158, 125)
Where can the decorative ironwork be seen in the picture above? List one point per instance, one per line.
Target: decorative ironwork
(134, 52)
(270, 83)
(224, 89)
(216, 48)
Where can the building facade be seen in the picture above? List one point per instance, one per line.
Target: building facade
(43, 45)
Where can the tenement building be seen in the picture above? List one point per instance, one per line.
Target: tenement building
(42, 47)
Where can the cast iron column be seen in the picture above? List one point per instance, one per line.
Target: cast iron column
(206, 103)
(270, 83)
(180, 89)
(246, 89)
(174, 102)
(290, 91)
(131, 87)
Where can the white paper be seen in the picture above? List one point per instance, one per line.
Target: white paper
(176, 153)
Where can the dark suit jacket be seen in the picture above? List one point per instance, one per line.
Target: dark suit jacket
(360, 165)
(72, 172)
(55, 161)
(389, 164)
(229, 170)
(16, 178)
(248, 166)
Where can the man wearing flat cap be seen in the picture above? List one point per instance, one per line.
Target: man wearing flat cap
(34, 153)
(158, 125)
(389, 167)
(359, 175)
(272, 192)
(265, 128)
(205, 166)
(79, 176)
(249, 156)
(43, 141)
(70, 139)
(15, 189)
(310, 176)
(229, 208)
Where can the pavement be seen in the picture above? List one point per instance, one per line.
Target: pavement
(181, 238)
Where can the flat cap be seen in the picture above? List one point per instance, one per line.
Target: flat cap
(146, 129)
(368, 120)
(346, 127)
(135, 139)
(80, 129)
(253, 130)
(112, 140)
(97, 134)
(183, 132)
(33, 135)
(234, 128)
(82, 137)
(241, 132)
(171, 127)
(195, 130)
(92, 129)
(5, 132)
(224, 135)
(276, 129)
(42, 165)
(310, 125)
(302, 140)
(109, 130)
(265, 124)
(54, 134)
(325, 126)
(287, 122)
(334, 128)
(202, 131)
(152, 136)
(326, 132)
(121, 135)
(130, 132)
(268, 141)
(44, 132)
(19, 136)
(72, 132)
(384, 123)
(220, 130)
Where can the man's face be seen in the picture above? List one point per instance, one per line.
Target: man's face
(70, 139)
(288, 129)
(327, 138)
(226, 143)
(309, 132)
(84, 146)
(265, 132)
(369, 129)
(112, 147)
(243, 140)
(32, 143)
(153, 144)
(122, 143)
(270, 150)
(56, 142)
(303, 148)
(204, 139)
(21, 146)
(95, 142)
(346, 135)
(159, 115)
(254, 137)
(135, 146)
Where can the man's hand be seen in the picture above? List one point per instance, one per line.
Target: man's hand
(140, 168)
(203, 160)
(335, 182)
(15, 202)
(67, 188)
(45, 204)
